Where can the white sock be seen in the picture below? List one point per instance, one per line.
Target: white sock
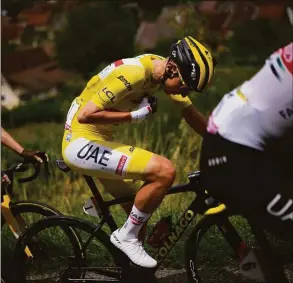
(133, 224)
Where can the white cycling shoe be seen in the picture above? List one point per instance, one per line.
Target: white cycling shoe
(134, 250)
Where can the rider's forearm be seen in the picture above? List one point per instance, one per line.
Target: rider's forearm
(195, 119)
(105, 117)
(10, 142)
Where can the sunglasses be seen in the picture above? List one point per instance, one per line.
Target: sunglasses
(189, 88)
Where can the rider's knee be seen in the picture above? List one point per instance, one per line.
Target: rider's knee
(164, 172)
(169, 172)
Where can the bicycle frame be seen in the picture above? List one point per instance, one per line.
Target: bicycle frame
(16, 225)
(197, 206)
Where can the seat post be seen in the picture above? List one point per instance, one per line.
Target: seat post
(101, 203)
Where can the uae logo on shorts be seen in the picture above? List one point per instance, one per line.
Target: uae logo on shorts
(121, 164)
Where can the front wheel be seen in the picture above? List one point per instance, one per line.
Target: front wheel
(26, 213)
(214, 250)
(60, 258)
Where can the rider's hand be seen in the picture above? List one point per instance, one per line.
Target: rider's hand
(144, 110)
(153, 101)
(5, 179)
(32, 155)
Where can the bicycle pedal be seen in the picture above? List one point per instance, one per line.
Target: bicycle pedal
(250, 266)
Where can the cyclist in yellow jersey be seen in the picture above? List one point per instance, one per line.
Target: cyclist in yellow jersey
(123, 93)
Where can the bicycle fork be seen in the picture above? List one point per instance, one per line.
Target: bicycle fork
(16, 225)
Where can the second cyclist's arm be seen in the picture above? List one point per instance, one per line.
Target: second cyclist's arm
(91, 114)
(192, 116)
(196, 120)
(10, 142)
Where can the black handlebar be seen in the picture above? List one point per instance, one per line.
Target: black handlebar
(24, 166)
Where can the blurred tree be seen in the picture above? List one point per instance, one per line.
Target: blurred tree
(189, 21)
(28, 35)
(95, 33)
(7, 48)
(254, 40)
(151, 9)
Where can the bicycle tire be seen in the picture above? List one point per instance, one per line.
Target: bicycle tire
(192, 255)
(31, 207)
(41, 209)
(77, 264)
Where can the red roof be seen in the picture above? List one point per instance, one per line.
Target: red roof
(272, 11)
(19, 61)
(40, 78)
(39, 15)
(11, 32)
(208, 7)
(243, 11)
(35, 18)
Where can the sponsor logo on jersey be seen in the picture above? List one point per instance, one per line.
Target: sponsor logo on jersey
(126, 82)
(286, 54)
(217, 161)
(135, 219)
(131, 149)
(286, 113)
(118, 63)
(280, 208)
(108, 93)
(121, 164)
(68, 137)
(87, 153)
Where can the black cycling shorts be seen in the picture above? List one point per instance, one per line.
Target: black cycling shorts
(249, 182)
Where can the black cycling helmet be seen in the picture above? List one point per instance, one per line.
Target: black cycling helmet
(195, 63)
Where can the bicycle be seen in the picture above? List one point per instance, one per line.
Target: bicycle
(122, 270)
(19, 215)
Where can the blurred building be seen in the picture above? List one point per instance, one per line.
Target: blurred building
(31, 73)
(11, 31)
(27, 58)
(9, 97)
(225, 15)
(221, 16)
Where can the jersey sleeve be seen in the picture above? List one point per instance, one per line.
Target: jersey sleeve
(180, 101)
(286, 54)
(120, 83)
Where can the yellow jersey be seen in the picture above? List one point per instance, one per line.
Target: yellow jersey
(120, 86)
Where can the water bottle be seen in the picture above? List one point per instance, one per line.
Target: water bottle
(160, 232)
